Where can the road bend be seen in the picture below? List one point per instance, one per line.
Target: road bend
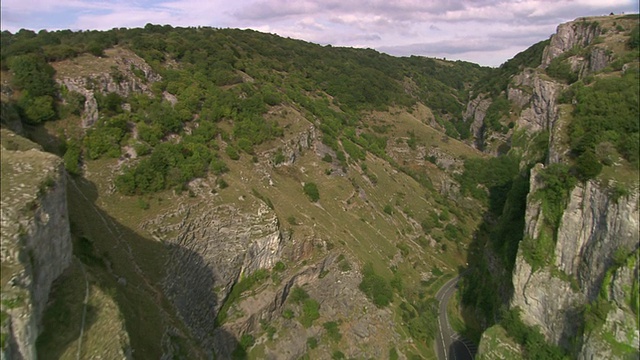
(449, 344)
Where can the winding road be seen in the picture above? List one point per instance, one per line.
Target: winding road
(450, 345)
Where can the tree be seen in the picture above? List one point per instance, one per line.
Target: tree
(375, 287)
(31, 73)
(39, 109)
(588, 166)
(311, 190)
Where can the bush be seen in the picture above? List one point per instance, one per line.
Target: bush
(280, 266)
(530, 338)
(298, 295)
(558, 182)
(246, 342)
(72, 158)
(333, 332)
(279, 157)
(311, 190)
(377, 289)
(310, 312)
(338, 355)
(232, 152)
(287, 314)
(312, 343)
(560, 69)
(217, 166)
(588, 166)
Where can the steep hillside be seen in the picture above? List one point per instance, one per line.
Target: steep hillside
(567, 109)
(236, 194)
(36, 245)
(233, 194)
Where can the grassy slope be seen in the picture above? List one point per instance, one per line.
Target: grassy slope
(342, 217)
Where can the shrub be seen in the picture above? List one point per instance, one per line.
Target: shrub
(217, 166)
(298, 295)
(312, 343)
(246, 341)
(279, 157)
(311, 190)
(72, 158)
(344, 265)
(338, 355)
(232, 152)
(333, 332)
(310, 312)
(588, 166)
(287, 314)
(142, 204)
(280, 266)
(375, 287)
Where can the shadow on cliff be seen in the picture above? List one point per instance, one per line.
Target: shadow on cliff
(164, 310)
(461, 350)
(486, 285)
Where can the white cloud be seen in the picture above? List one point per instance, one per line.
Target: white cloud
(471, 29)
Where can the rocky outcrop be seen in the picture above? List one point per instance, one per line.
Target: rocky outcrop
(367, 331)
(293, 147)
(594, 228)
(211, 249)
(128, 74)
(620, 326)
(578, 33)
(530, 88)
(476, 111)
(36, 242)
(546, 301)
(495, 344)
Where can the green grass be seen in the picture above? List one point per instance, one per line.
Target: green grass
(350, 214)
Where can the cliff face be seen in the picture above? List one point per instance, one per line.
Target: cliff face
(594, 230)
(568, 36)
(589, 270)
(123, 73)
(210, 251)
(537, 96)
(36, 243)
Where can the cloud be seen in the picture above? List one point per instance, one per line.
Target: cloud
(445, 47)
(470, 28)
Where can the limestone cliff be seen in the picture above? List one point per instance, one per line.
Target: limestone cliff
(595, 228)
(210, 251)
(120, 72)
(569, 35)
(570, 279)
(536, 95)
(36, 243)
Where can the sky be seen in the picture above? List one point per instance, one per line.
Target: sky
(487, 32)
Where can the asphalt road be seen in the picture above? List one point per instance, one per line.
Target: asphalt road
(450, 345)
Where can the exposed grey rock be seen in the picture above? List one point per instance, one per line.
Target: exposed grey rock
(621, 322)
(295, 146)
(598, 59)
(123, 82)
(476, 110)
(542, 112)
(36, 243)
(592, 229)
(546, 301)
(210, 250)
(568, 35)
